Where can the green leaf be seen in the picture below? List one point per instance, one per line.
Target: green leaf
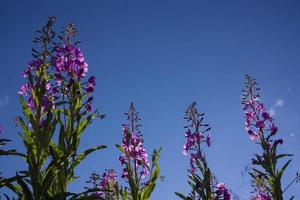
(49, 175)
(12, 152)
(26, 191)
(181, 196)
(120, 148)
(27, 112)
(146, 192)
(283, 168)
(283, 155)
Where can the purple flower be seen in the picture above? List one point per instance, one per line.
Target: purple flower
(260, 107)
(47, 102)
(260, 124)
(24, 90)
(92, 81)
(192, 145)
(124, 173)
(107, 182)
(108, 177)
(33, 65)
(222, 191)
(266, 116)
(30, 103)
(279, 141)
(257, 119)
(42, 124)
(55, 90)
(253, 136)
(58, 78)
(221, 187)
(70, 59)
(48, 86)
(91, 84)
(208, 140)
(193, 159)
(261, 196)
(90, 89)
(273, 129)
(192, 140)
(89, 107)
(132, 145)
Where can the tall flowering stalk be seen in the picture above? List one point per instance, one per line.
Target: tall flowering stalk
(74, 111)
(134, 158)
(38, 122)
(261, 128)
(204, 185)
(56, 101)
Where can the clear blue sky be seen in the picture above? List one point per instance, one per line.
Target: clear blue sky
(162, 55)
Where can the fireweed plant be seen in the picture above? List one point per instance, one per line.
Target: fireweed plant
(136, 167)
(134, 159)
(56, 102)
(140, 176)
(265, 173)
(201, 180)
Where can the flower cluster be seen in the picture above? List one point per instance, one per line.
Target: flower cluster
(261, 196)
(132, 145)
(222, 191)
(69, 59)
(70, 66)
(107, 182)
(195, 138)
(39, 86)
(192, 139)
(32, 66)
(192, 145)
(257, 119)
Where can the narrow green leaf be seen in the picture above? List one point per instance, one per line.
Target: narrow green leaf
(26, 191)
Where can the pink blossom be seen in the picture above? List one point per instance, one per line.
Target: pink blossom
(134, 152)
(24, 90)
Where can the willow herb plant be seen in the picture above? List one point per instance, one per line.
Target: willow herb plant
(134, 158)
(136, 167)
(56, 99)
(74, 109)
(204, 185)
(260, 126)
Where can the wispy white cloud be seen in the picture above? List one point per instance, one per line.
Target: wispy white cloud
(292, 135)
(279, 102)
(4, 101)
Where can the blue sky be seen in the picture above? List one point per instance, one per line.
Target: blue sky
(162, 55)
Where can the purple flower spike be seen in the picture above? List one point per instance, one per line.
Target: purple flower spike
(133, 147)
